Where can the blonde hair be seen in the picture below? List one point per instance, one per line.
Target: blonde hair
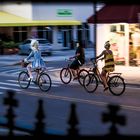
(35, 44)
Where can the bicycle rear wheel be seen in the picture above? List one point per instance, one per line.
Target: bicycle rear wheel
(116, 85)
(44, 82)
(90, 83)
(65, 75)
(82, 73)
(23, 79)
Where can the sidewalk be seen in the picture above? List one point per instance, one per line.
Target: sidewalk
(130, 74)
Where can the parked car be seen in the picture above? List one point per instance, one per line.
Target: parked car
(44, 46)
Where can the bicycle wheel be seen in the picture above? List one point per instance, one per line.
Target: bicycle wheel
(116, 85)
(82, 73)
(44, 82)
(90, 83)
(65, 75)
(23, 79)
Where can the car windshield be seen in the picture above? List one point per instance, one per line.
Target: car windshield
(43, 41)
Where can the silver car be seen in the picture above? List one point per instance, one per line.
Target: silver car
(44, 46)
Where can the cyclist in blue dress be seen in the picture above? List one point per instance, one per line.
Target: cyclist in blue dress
(37, 61)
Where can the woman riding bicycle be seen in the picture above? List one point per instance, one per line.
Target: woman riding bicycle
(37, 62)
(79, 59)
(109, 63)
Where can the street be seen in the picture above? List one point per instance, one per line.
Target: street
(58, 99)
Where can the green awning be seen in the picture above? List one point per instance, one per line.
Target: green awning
(7, 20)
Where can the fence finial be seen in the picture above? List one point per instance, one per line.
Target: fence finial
(113, 117)
(73, 121)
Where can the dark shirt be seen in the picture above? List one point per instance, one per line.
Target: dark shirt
(81, 57)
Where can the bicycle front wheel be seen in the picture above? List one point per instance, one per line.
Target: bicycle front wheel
(44, 82)
(23, 79)
(65, 75)
(90, 83)
(82, 73)
(116, 85)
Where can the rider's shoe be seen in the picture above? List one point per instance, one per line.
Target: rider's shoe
(30, 79)
(106, 88)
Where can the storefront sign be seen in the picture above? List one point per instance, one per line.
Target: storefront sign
(64, 12)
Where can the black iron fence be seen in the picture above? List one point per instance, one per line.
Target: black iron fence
(37, 131)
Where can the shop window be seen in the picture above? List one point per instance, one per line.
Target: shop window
(20, 33)
(113, 28)
(46, 33)
(122, 28)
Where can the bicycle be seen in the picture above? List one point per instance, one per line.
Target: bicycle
(66, 74)
(42, 79)
(115, 82)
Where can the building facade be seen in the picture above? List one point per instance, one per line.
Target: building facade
(62, 24)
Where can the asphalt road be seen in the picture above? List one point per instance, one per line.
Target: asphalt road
(58, 100)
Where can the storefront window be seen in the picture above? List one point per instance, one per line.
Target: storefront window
(113, 28)
(122, 28)
(20, 34)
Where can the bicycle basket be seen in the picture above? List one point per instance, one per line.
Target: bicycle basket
(24, 64)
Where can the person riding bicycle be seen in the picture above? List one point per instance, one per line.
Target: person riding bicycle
(37, 62)
(79, 59)
(109, 63)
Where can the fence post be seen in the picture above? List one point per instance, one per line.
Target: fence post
(73, 121)
(40, 125)
(11, 103)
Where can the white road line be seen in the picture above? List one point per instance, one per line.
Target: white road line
(55, 69)
(16, 73)
(16, 85)
(1, 93)
(31, 85)
(10, 70)
(6, 88)
(128, 87)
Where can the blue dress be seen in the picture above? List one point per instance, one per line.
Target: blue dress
(38, 61)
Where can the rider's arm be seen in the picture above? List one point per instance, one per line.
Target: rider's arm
(76, 55)
(29, 56)
(100, 55)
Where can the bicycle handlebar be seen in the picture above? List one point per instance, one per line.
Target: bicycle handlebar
(95, 60)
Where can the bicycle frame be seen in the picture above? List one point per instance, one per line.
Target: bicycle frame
(98, 74)
(68, 66)
(96, 71)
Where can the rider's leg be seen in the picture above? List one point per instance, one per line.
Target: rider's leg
(103, 76)
(73, 72)
(29, 67)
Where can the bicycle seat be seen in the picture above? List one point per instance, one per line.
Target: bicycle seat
(37, 69)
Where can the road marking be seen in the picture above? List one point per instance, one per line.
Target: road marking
(54, 83)
(11, 71)
(15, 84)
(55, 69)
(92, 102)
(129, 87)
(18, 70)
(6, 88)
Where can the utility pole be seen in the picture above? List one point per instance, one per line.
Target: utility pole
(95, 27)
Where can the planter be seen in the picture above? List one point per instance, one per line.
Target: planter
(11, 51)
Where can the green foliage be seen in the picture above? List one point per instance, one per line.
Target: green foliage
(10, 44)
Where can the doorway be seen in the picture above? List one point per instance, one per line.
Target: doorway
(66, 38)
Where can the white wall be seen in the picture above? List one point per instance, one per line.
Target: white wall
(79, 11)
(18, 8)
